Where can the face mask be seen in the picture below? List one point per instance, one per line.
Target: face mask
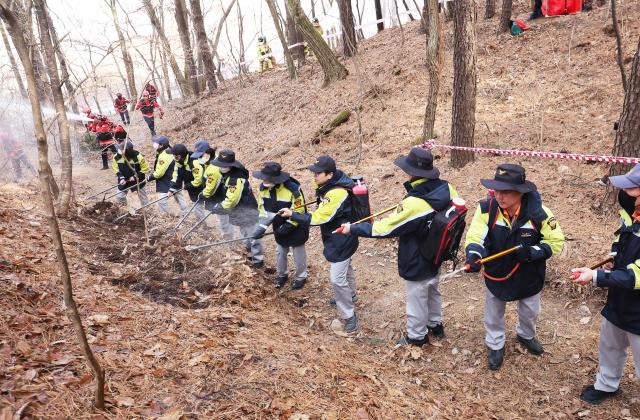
(156, 146)
(268, 184)
(224, 170)
(202, 160)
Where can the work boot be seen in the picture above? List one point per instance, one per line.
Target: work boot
(437, 331)
(281, 280)
(351, 324)
(594, 396)
(536, 14)
(495, 358)
(332, 301)
(532, 345)
(298, 284)
(258, 263)
(104, 168)
(406, 341)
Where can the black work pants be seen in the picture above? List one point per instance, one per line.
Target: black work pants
(124, 115)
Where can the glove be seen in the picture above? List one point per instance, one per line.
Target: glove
(285, 229)
(524, 254)
(132, 179)
(189, 187)
(122, 181)
(201, 196)
(150, 178)
(531, 253)
(218, 209)
(473, 262)
(259, 232)
(173, 187)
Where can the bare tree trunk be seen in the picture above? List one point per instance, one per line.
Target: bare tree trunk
(359, 13)
(124, 79)
(619, 52)
(126, 58)
(435, 59)
(25, 17)
(332, 68)
(203, 45)
(505, 17)
(44, 174)
(163, 58)
(64, 70)
(182, 82)
(348, 29)
(14, 64)
(61, 112)
(627, 142)
(294, 37)
(490, 9)
(313, 8)
(464, 80)
(242, 64)
(183, 31)
(225, 14)
(291, 67)
(378, 7)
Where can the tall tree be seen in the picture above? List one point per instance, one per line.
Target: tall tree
(505, 16)
(619, 53)
(463, 119)
(64, 70)
(216, 40)
(378, 7)
(126, 58)
(17, 31)
(61, 111)
(183, 31)
(490, 9)
(203, 45)
(349, 42)
(294, 37)
(12, 61)
(332, 68)
(435, 59)
(627, 142)
(182, 81)
(25, 17)
(291, 68)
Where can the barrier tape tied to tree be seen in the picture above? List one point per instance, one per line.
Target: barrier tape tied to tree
(431, 144)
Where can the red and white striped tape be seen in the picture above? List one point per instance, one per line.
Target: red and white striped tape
(431, 144)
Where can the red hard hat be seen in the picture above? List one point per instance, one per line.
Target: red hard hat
(118, 94)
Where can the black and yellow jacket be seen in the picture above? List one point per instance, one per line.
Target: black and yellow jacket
(623, 300)
(285, 195)
(411, 222)
(334, 209)
(123, 171)
(535, 226)
(239, 200)
(163, 170)
(188, 175)
(213, 189)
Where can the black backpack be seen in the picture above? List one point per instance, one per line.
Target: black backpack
(444, 235)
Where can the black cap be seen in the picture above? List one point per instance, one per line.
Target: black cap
(323, 164)
(509, 177)
(178, 149)
(418, 163)
(272, 171)
(226, 159)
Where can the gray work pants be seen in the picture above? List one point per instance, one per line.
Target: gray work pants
(142, 194)
(225, 227)
(424, 306)
(343, 282)
(528, 311)
(254, 246)
(164, 204)
(614, 343)
(299, 258)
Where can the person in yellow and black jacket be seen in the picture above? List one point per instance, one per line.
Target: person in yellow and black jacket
(279, 190)
(516, 216)
(163, 173)
(620, 327)
(137, 167)
(265, 56)
(426, 194)
(239, 202)
(213, 191)
(187, 174)
(334, 209)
